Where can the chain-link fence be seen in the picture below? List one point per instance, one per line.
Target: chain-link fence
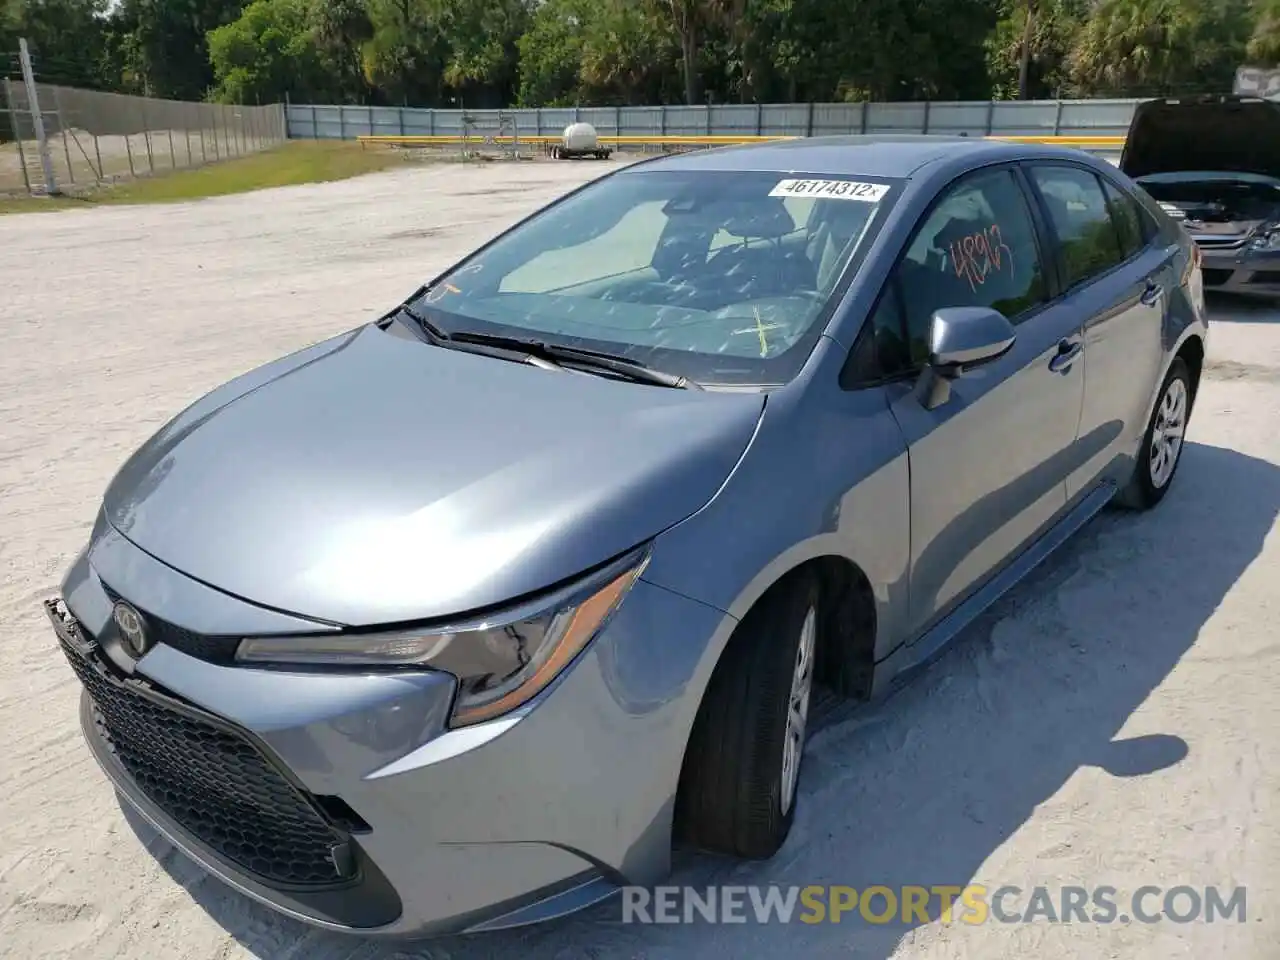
(92, 138)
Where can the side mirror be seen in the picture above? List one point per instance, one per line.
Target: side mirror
(961, 338)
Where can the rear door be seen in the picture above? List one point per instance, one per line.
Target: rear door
(988, 466)
(1116, 279)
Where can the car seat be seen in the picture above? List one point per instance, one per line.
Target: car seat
(1061, 218)
(763, 268)
(841, 225)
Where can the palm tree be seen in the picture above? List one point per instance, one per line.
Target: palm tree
(1024, 53)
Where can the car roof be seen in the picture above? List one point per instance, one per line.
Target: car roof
(873, 155)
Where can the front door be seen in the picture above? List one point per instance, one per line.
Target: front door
(988, 466)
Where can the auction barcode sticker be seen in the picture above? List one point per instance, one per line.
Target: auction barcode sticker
(831, 189)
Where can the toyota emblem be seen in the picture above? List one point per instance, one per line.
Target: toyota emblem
(133, 629)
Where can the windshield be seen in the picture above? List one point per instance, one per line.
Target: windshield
(717, 276)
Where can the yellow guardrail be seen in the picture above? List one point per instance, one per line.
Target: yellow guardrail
(409, 140)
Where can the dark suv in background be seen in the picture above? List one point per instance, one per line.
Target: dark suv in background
(1213, 163)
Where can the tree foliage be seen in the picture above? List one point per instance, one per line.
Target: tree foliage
(1264, 42)
(487, 53)
(1049, 39)
(268, 48)
(1149, 47)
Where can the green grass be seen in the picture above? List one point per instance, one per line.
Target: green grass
(297, 161)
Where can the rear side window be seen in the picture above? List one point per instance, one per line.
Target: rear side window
(1127, 218)
(1088, 241)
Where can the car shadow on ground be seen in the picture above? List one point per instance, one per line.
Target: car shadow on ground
(922, 788)
(1233, 308)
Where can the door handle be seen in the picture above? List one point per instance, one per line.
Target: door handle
(1152, 293)
(1068, 350)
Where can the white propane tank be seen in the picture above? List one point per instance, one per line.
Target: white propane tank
(580, 138)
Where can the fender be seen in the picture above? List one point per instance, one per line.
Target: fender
(851, 501)
(1199, 329)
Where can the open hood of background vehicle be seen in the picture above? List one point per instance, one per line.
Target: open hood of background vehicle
(1211, 133)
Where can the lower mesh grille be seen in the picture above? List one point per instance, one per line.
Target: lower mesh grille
(215, 783)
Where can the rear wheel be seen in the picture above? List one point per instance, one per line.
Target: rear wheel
(1161, 449)
(742, 768)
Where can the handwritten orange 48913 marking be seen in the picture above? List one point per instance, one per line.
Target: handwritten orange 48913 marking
(977, 256)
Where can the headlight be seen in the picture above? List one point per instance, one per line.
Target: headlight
(1268, 239)
(500, 662)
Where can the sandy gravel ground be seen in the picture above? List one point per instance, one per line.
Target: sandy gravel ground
(1112, 722)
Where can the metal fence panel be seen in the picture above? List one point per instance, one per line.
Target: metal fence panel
(330, 123)
(448, 122)
(1030, 118)
(835, 118)
(604, 119)
(971, 118)
(897, 117)
(687, 121)
(954, 118)
(555, 119)
(784, 120)
(527, 121)
(1099, 118)
(735, 119)
(638, 121)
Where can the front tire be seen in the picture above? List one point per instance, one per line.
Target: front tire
(1161, 449)
(742, 768)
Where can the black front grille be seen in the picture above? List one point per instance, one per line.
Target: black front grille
(214, 782)
(212, 649)
(201, 646)
(1214, 277)
(1220, 243)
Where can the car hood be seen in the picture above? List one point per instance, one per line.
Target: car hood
(376, 480)
(1224, 133)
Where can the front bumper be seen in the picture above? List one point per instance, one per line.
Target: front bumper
(437, 830)
(1244, 272)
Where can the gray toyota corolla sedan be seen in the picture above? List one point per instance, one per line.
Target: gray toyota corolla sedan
(461, 619)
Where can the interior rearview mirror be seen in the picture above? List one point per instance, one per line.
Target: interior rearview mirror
(961, 338)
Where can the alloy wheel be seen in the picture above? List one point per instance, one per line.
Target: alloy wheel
(1166, 436)
(798, 708)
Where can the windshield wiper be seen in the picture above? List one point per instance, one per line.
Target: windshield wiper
(546, 355)
(622, 366)
(442, 338)
(425, 323)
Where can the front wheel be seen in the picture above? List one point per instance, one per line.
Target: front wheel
(1161, 449)
(742, 768)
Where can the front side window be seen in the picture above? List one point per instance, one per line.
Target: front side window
(977, 248)
(881, 348)
(717, 276)
(1078, 213)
